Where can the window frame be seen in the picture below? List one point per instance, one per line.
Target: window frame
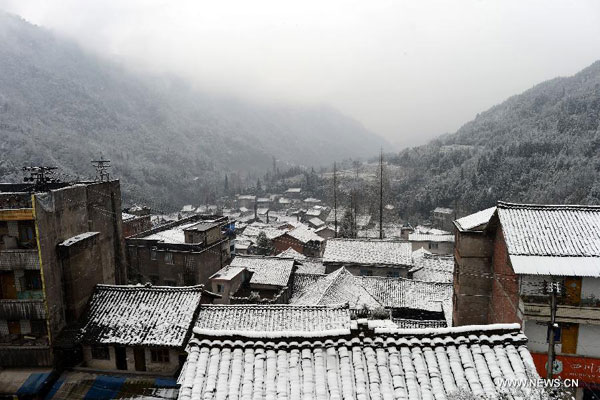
(100, 352)
(160, 356)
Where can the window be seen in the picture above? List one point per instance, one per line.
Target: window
(100, 352)
(220, 288)
(132, 252)
(32, 280)
(366, 272)
(160, 355)
(190, 261)
(38, 327)
(168, 258)
(433, 245)
(393, 274)
(153, 254)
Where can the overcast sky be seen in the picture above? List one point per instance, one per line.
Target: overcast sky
(408, 70)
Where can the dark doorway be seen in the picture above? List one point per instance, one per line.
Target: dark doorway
(139, 354)
(121, 356)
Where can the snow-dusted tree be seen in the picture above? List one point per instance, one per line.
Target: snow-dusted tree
(264, 246)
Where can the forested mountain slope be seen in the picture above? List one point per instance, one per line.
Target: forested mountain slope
(62, 106)
(541, 146)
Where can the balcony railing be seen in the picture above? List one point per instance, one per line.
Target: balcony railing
(22, 309)
(19, 259)
(564, 313)
(25, 356)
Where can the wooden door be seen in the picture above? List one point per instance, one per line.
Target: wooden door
(14, 327)
(8, 290)
(572, 290)
(121, 358)
(139, 355)
(569, 338)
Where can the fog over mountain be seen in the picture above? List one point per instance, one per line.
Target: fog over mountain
(61, 106)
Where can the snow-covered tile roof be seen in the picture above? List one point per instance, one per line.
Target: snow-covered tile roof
(227, 272)
(304, 235)
(551, 230)
(271, 321)
(368, 251)
(291, 253)
(475, 222)
(427, 237)
(311, 266)
(294, 190)
(443, 210)
(338, 287)
(274, 271)
(301, 281)
(433, 268)
(401, 364)
(317, 222)
(255, 228)
(173, 235)
(140, 315)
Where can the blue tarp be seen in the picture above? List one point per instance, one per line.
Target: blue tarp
(33, 384)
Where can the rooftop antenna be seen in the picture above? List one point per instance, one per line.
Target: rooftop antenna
(102, 167)
(40, 175)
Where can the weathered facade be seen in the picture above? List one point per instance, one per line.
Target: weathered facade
(181, 253)
(56, 243)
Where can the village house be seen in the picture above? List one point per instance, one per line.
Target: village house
(436, 244)
(407, 302)
(312, 352)
(442, 218)
(138, 328)
(326, 232)
(432, 268)
(302, 239)
(509, 257)
(294, 193)
(369, 257)
(250, 279)
(246, 200)
(180, 253)
(134, 224)
(57, 241)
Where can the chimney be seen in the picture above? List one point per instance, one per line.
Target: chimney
(268, 216)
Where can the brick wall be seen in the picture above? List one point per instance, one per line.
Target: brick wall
(505, 285)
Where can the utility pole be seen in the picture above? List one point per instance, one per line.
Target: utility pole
(381, 194)
(550, 365)
(102, 167)
(335, 199)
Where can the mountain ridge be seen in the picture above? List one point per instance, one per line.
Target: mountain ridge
(60, 105)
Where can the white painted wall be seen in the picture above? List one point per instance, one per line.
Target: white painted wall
(537, 332)
(588, 341)
(590, 286)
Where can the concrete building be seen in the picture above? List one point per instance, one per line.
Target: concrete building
(435, 244)
(180, 253)
(57, 242)
(503, 271)
(442, 218)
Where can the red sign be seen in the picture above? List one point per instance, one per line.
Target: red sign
(586, 369)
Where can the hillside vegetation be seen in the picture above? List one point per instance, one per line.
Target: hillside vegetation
(541, 146)
(167, 143)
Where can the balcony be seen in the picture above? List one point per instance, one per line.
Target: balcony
(564, 313)
(22, 309)
(25, 356)
(19, 259)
